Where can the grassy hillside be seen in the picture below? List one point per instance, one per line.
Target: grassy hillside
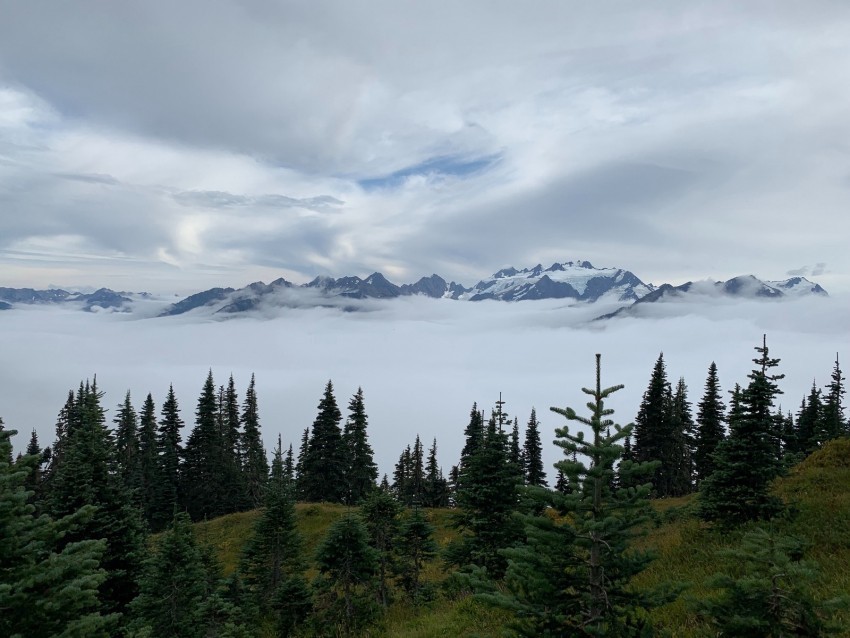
(817, 492)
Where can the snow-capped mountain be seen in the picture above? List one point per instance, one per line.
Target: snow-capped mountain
(742, 287)
(578, 280)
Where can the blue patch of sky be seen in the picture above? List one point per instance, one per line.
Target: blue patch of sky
(440, 166)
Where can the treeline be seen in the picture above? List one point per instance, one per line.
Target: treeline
(79, 558)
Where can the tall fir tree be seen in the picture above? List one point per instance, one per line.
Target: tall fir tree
(573, 576)
(48, 587)
(710, 426)
(487, 498)
(473, 434)
(255, 468)
(173, 588)
(127, 445)
(202, 485)
(169, 453)
(533, 453)
(515, 450)
(361, 470)
(87, 475)
(231, 461)
(416, 545)
(653, 428)
(809, 435)
(34, 477)
(380, 513)
(149, 470)
(347, 565)
(680, 446)
(746, 462)
(834, 423)
(324, 464)
(299, 465)
(436, 490)
(273, 563)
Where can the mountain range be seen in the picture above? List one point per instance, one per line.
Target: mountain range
(575, 281)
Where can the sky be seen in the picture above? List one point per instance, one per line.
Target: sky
(172, 147)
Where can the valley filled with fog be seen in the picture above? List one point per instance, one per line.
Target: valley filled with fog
(421, 362)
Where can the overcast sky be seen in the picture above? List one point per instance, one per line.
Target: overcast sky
(174, 146)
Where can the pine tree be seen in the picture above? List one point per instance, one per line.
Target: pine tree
(679, 451)
(572, 577)
(299, 465)
(169, 452)
(766, 590)
(234, 497)
(149, 470)
(416, 545)
(380, 513)
(347, 565)
(289, 467)
(487, 497)
(416, 479)
(255, 466)
(34, 476)
(87, 475)
(533, 453)
(361, 470)
(273, 563)
(401, 477)
(324, 463)
(746, 461)
(174, 585)
(473, 434)
(515, 450)
(710, 429)
(653, 428)
(809, 419)
(834, 424)
(202, 486)
(127, 445)
(436, 491)
(48, 587)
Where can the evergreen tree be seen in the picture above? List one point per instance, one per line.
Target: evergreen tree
(710, 429)
(202, 486)
(127, 445)
(380, 513)
(654, 430)
(679, 449)
(299, 464)
(809, 419)
(149, 469)
(34, 476)
(834, 424)
(174, 586)
(415, 546)
(572, 577)
(401, 476)
(436, 491)
(234, 497)
(533, 453)
(473, 434)
(289, 467)
(766, 590)
(487, 497)
(169, 452)
(347, 565)
(416, 479)
(515, 450)
(746, 462)
(324, 464)
(87, 475)
(48, 587)
(361, 470)
(255, 466)
(273, 563)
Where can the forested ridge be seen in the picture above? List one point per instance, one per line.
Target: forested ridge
(115, 528)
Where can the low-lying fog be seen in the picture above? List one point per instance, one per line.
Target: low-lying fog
(421, 362)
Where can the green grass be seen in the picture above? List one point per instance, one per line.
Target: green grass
(817, 492)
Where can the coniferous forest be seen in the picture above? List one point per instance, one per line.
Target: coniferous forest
(715, 512)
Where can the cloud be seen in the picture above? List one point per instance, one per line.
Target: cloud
(421, 362)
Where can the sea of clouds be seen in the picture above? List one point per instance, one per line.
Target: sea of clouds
(421, 362)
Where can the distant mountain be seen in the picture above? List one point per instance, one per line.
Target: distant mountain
(101, 299)
(742, 287)
(577, 281)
